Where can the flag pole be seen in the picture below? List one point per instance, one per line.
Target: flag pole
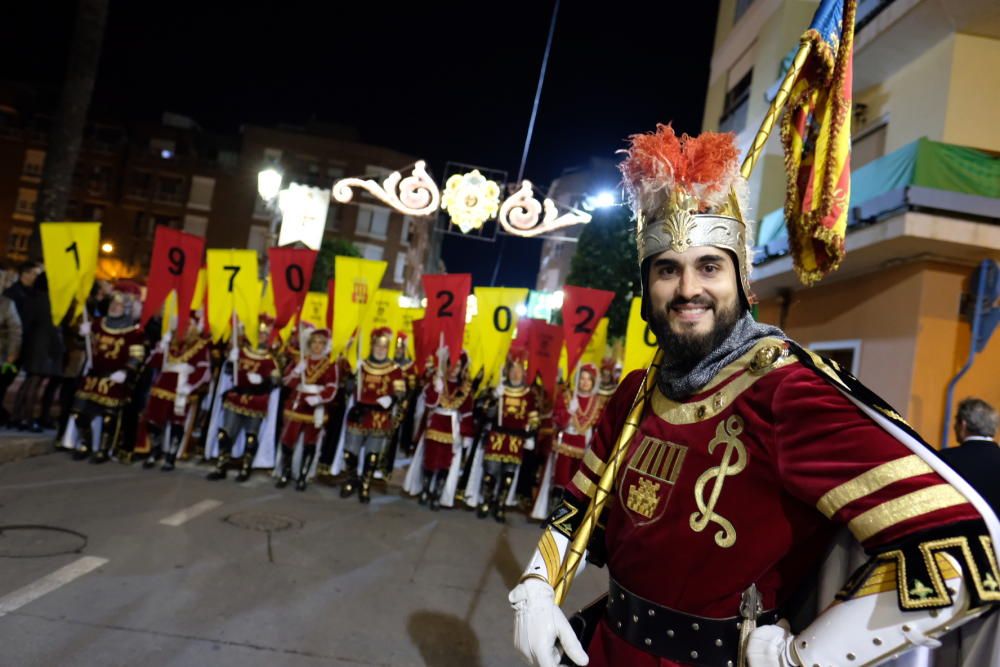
(581, 538)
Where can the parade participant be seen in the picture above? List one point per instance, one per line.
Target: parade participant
(609, 381)
(436, 465)
(116, 355)
(742, 455)
(402, 435)
(514, 421)
(370, 421)
(312, 385)
(244, 405)
(184, 367)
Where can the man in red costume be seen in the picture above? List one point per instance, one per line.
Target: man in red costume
(370, 421)
(244, 406)
(312, 385)
(185, 367)
(749, 453)
(117, 349)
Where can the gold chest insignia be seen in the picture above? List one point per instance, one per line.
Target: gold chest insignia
(734, 460)
(649, 479)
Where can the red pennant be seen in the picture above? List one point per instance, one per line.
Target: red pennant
(329, 304)
(291, 272)
(173, 265)
(420, 351)
(544, 345)
(447, 294)
(582, 309)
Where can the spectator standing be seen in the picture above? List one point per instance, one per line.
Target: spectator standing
(977, 456)
(41, 352)
(10, 349)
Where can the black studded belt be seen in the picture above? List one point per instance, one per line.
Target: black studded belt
(674, 635)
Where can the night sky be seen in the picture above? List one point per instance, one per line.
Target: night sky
(440, 80)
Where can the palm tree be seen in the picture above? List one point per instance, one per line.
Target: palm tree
(66, 133)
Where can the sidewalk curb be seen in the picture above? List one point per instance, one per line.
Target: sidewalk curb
(22, 447)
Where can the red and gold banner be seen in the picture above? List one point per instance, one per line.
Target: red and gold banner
(447, 296)
(582, 311)
(291, 272)
(173, 267)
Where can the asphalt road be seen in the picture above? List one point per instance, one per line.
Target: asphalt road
(170, 569)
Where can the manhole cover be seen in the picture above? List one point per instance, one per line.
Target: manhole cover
(39, 541)
(265, 522)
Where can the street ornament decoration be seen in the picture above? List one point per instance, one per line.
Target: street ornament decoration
(520, 214)
(470, 199)
(415, 195)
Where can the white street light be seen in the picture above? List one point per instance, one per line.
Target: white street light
(556, 299)
(269, 183)
(603, 199)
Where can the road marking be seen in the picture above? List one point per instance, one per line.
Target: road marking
(186, 515)
(49, 583)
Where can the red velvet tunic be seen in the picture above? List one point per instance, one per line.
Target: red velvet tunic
(112, 350)
(517, 410)
(738, 485)
(251, 404)
(300, 417)
(454, 403)
(190, 358)
(576, 430)
(375, 379)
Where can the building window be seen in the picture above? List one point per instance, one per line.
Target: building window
(734, 109)
(93, 212)
(17, 242)
(200, 197)
(195, 224)
(334, 173)
(27, 199)
(373, 221)
(257, 239)
(332, 216)
(272, 157)
(406, 233)
(847, 353)
(868, 145)
(34, 162)
(370, 250)
(170, 189)
(163, 148)
(139, 184)
(399, 271)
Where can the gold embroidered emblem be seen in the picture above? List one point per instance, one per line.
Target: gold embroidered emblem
(920, 590)
(643, 499)
(989, 583)
(734, 460)
(649, 479)
(679, 225)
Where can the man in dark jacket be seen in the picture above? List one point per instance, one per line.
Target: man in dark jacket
(977, 456)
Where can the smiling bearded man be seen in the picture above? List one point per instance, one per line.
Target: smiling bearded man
(747, 454)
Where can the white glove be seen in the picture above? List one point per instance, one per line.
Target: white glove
(529, 445)
(118, 377)
(438, 384)
(85, 328)
(165, 340)
(313, 401)
(183, 389)
(384, 401)
(771, 646)
(539, 623)
(309, 388)
(234, 354)
(574, 405)
(254, 378)
(466, 442)
(300, 368)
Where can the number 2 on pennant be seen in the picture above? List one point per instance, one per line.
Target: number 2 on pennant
(232, 278)
(76, 254)
(448, 298)
(583, 326)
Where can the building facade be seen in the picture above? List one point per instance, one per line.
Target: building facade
(925, 199)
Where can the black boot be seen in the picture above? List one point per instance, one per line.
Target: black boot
(225, 446)
(103, 453)
(350, 484)
(168, 462)
(156, 435)
(286, 467)
(499, 510)
(440, 477)
(172, 448)
(486, 503)
(425, 492)
(83, 433)
(249, 452)
(308, 454)
(371, 461)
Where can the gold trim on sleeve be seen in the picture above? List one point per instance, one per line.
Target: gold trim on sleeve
(583, 483)
(897, 510)
(550, 555)
(591, 460)
(871, 481)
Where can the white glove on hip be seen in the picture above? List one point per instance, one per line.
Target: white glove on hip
(770, 646)
(384, 401)
(234, 354)
(254, 378)
(118, 377)
(529, 445)
(313, 401)
(85, 328)
(539, 623)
